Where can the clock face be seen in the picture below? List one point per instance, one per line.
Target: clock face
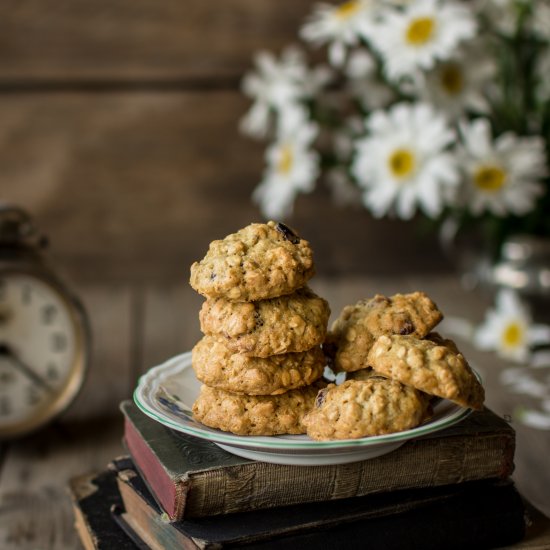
(41, 365)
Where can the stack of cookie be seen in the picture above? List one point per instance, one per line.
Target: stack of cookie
(396, 367)
(260, 359)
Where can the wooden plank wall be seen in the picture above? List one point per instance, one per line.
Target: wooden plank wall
(119, 134)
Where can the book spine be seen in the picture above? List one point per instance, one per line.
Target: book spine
(147, 524)
(170, 493)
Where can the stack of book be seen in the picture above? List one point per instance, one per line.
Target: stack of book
(451, 489)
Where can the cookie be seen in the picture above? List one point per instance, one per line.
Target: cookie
(287, 324)
(430, 366)
(353, 333)
(260, 261)
(360, 408)
(254, 415)
(218, 367)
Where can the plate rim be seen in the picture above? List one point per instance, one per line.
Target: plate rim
(182, 362)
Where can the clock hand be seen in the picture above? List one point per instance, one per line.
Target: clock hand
(24, 368)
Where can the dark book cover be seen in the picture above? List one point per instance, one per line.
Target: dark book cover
(94, 496)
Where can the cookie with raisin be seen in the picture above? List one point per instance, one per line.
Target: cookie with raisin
(365, 407)
(258, 262)
(358, 326)
(286, 324)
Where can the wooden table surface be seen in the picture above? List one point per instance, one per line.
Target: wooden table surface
(138, 327)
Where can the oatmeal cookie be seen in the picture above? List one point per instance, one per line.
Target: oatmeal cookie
(260, 261)
(355, 330)
(292, 323)
(255, 415)
(360, 408)
(431, 366)
(218, 367)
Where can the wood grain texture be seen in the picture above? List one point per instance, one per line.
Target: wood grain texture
(35, 511)
(140, 40)
(133, 187)
(171, 322)
(111, 375)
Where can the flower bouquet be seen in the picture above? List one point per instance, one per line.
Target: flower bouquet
(431, 109)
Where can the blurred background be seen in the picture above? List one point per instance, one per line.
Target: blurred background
(120, 137)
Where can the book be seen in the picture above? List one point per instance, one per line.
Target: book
(103, 523)
(94, 497)
(474, 514)
(191, 477)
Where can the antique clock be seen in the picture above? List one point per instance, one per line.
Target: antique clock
(44, 332)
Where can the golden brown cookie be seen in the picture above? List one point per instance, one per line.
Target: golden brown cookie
(360, 408)
(357, 327)
(428, 366)
(292, 323)
(218, 367)
(260, 261)
(255, 415)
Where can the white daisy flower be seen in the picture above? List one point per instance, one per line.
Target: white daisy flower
(501, 176)
(340, 26)
(402, 163)
(364, 82)
(508, 329)
(461, 83)
(425, 31)
(276, 83)
(292, 165)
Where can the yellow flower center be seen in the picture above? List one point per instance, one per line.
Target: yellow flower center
(401, 163)
(489, 178)
(452, 79)
(420, 31)
(512, 335)
(347, 9)
(286, 159)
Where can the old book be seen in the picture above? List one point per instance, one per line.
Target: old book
(474, 514)
(93, 495)
(191, 477)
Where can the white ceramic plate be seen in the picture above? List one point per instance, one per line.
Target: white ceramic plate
(166, 393)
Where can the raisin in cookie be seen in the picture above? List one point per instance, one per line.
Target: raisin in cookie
(218, 367)
(355, 330)
(257, 262)
(431, 366)
(255, 415)
(291, 323)
(360, 408)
